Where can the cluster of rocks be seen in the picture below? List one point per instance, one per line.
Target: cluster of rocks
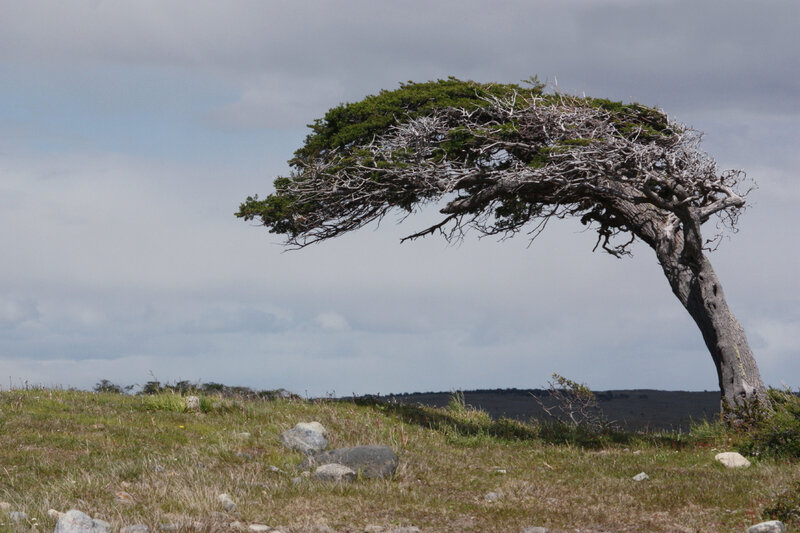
(341, 465)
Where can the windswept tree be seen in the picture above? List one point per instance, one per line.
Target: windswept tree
(501, 159)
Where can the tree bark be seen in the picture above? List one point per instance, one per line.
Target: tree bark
(696, 285)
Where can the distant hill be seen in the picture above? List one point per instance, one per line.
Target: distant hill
(635, 409)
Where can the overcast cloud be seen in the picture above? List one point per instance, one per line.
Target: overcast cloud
(130, 132)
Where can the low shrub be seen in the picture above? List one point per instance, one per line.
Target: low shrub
(573, 406)
(777, 435)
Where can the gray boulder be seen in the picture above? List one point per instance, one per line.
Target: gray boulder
(368, 461)
(732, 460)
(308, 438)
(192, 403)
(773, 526)
(74, 521)
(334, 472)
(537, 529)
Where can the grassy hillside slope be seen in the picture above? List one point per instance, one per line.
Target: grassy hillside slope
(145, 460)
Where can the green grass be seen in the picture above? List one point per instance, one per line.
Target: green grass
(70, 449)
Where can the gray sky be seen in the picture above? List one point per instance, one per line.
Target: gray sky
(130, 132)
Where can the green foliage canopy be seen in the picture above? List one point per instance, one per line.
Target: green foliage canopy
(503, 155)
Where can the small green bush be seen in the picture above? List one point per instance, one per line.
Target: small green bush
(778, 434)
(574, 405)
(463, 414)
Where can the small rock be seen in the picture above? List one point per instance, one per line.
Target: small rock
(166, 526)
(244, 455)
(308, 438)
(773, 526)
(158, 468)
(492, 496)
(275, 469)
(534, 530)
(335, 472)
(641, 476)
(18, 516)
(135, 528)
(500, 471)
(74, 521)
(192, 403)
(637, 452)
(227, 503)
(732, 460)
(258, 528)
(368, 461)
(52, 513)
(239, 526)
(406, 529)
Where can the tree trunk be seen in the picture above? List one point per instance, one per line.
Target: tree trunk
(698, 289)
(678, 243)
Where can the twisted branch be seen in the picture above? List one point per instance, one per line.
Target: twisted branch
(588, 168)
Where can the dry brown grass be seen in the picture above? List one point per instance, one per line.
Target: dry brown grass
(138, 459)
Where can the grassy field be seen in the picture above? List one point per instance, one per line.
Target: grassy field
(144, 460)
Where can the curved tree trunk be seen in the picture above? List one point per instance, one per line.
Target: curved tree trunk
(701, 294)
(678, 243)
(696, 285)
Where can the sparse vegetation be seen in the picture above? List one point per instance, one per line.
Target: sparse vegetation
(777, 433)
(573, 404)
(786, 506)
(64, 449)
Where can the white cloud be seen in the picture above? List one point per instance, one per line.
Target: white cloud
(14, 312)
(331, 322)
